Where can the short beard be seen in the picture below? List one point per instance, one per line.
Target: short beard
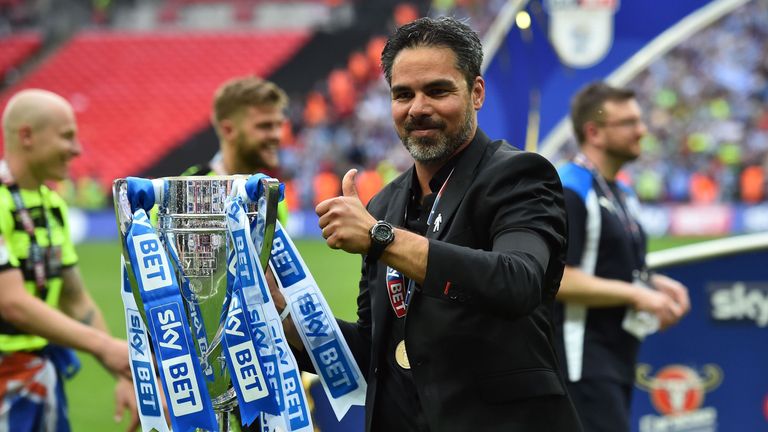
(250, 155)
(624, 156)
(435, 150)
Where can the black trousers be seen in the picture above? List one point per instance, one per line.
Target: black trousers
(602, 405)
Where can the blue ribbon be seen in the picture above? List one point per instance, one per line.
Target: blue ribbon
(141, 193)
(249, 380)
(247, 341)
(276, 358)
(188, 400)
(254, 188)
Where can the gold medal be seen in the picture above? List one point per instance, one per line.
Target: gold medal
(401, 356)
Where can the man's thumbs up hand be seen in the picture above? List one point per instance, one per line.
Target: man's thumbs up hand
(344, 221)
(348, 187)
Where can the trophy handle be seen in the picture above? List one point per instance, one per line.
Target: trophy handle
(124, 217)
(123, 213)
(272, 196)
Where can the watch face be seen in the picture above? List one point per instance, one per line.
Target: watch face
(382, 233)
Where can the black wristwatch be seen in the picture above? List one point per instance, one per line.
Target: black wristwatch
(382, 234)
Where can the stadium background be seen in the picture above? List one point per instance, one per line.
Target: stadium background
(140, 74)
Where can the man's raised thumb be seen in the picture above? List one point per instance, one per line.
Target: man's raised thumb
(348, 184)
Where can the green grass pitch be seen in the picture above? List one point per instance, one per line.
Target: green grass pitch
(90, 393)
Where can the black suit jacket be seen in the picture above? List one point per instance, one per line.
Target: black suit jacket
(481, 352)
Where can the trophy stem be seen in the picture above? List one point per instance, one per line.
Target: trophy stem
(223, 418)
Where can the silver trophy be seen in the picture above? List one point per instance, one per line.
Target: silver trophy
(192, 227)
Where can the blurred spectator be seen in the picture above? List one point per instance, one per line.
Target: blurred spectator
(405, 13)
(315, 109)
(89, 194)
(753, 184)
(649, 185)
(326, 185)
(368, 184)
(704, 190)
(342, 92)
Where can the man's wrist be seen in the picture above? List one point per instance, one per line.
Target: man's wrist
(382, 234)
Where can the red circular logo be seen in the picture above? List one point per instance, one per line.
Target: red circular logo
(677, 389)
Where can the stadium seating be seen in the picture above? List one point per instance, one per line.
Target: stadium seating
(137, 96)
(15, 49)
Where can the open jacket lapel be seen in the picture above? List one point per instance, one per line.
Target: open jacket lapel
(395, 214)
(459, 182)
(399, 200)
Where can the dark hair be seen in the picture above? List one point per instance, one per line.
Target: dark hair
(587, 105)
(444, 32)
(242, 92)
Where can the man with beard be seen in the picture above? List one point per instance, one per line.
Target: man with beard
(248, 117)
(463, 255)
(608, 300)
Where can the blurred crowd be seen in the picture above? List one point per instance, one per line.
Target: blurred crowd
(706, 105)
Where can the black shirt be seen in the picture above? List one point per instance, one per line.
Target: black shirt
(398, 406)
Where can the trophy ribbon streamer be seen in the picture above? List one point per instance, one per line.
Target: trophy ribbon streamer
(248, 316)
(278, 361)
(151, 415)
(182, 378)
(339, 373)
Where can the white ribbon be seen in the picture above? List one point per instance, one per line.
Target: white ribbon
(151, 414)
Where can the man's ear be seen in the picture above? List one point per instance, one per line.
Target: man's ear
(591, 131)
(478, 93)
(226, 129)
(25, 136)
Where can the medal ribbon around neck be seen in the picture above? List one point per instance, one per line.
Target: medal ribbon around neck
(629, 223)
(37, 256)
(395, 279)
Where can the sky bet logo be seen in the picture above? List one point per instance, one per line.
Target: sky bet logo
(326, 351)
(312, 317)
(142, 369)
(176, 364)
(136, 334)
(740, 301)
(250, 377)
(152, 262)
(297, 414)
